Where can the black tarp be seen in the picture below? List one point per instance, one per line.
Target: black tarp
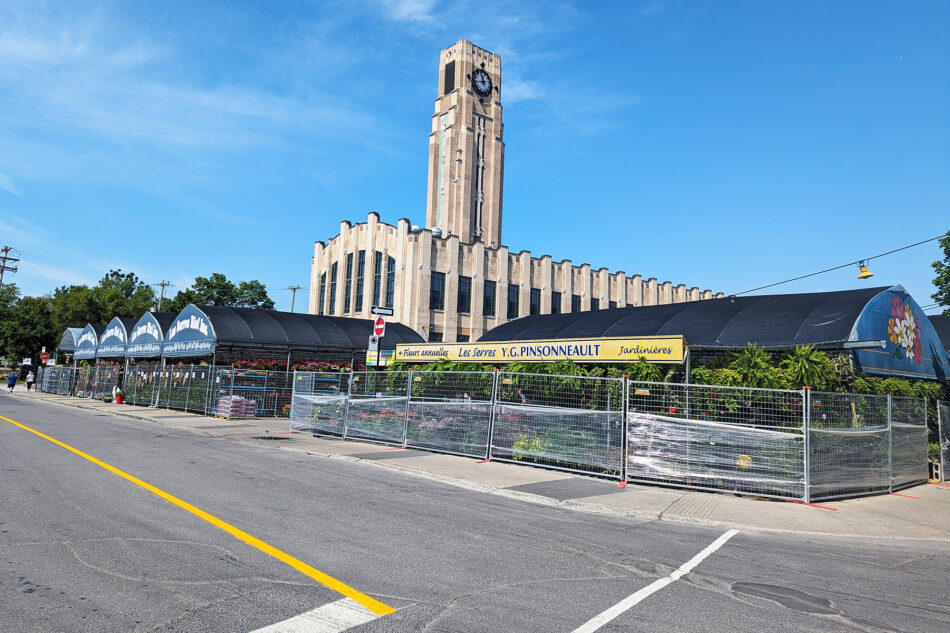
(68, 343)
(249, 328)
(942, 325)
(773, 321)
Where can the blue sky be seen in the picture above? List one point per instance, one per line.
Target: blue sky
(724, 145)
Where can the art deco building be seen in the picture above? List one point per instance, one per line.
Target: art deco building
(453, 279)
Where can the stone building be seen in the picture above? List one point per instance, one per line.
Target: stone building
(453, 280)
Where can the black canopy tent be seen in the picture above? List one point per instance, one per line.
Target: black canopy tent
(231, 334)
(942, 325)
(861, 321)
(67, 344)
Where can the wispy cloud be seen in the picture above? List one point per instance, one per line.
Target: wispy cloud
(410, 10)
(7, 185)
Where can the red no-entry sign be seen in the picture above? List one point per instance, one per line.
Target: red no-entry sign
(379, 326)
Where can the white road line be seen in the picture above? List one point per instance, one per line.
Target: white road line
(600, 620)
(330, 618)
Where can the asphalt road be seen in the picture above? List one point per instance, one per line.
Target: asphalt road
(82, 549)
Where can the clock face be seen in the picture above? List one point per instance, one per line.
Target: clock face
(481, 82)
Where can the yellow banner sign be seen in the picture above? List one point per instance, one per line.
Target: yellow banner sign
(655, 349)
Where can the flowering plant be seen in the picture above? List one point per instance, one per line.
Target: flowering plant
(903, 329)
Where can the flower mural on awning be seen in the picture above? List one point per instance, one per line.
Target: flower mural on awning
(903, 329)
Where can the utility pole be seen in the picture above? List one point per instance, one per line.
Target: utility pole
(293, 297)
(161, 295)
(4, 258)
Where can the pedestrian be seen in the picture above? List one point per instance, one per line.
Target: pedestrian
(11, 381)
(30, 379)
(524, 399)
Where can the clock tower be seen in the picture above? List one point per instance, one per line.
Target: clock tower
(466, 147)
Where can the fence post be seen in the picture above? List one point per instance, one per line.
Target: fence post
(890, 448)
(264, 397)
(806, 437)
(346, 404)
(191, 378)
(623, 430)
(491, 418)
(405, 430)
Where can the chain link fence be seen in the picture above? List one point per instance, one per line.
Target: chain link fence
(319, 403)
(943, 437)
(450, 412)
(908, 417)
(59, 380)
(734, 439)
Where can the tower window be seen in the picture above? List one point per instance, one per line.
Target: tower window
(449, 77)
(611, 304)
(323, 293)
(512, 302)
(360, 273)
(488, 302)
(595, 304)
(333, 271)
(465, 295)
(437, 291)
(535, 307)
(390, 281)
(575, 303)
(377, 276)
(349, 283)
(555, 303)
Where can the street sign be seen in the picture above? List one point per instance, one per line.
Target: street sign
(383, 311)
(379, 326)
(44, 357)
(373, 343)
(27, 361)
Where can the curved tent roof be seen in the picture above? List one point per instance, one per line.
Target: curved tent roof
(825, 319)
(199, 331)
(114, 338)
(147, 335)
(68, 342)
(942, 326)
(88, 341)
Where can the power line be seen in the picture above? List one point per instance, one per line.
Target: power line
(828, 270)
(161, 296)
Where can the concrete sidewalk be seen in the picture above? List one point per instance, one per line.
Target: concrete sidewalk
(922, 512)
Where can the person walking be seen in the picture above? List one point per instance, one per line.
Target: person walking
(11, 381)
(30, 379)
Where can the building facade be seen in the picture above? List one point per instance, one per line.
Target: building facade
(453, 280)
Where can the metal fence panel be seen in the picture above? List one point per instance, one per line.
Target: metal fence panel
(849, 445)
(141, 384)
(564, 422)
(450, 412)
(83, 374)
(908, 442)
(943, 437)
(319, 403)
(705, 437)
(377, 406)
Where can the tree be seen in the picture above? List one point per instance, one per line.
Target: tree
(30, 329)
(122, 294)
(218, 290)
(942, 280)
(805, 366)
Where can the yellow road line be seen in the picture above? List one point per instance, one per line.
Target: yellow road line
(327, 581)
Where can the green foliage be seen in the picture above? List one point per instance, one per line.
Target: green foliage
(806, 366)
(942, 280)
(754, 367)
(218, 290)
(643, 371)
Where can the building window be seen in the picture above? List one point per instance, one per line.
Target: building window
(449, 77)
(348, 286)
(377, 276)
(462, 338)
(435, 337)
(595, 304)
(390, 281)
(437, 292)
(555, 303)
(333, 270)
(575, 303)
(465, 295)
(535, 307)
(488, 299)
(360, 273)
(611, 304)
(512, 302)
(323, 293)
